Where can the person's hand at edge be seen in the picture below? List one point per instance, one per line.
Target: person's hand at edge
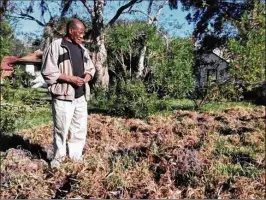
(87, 78)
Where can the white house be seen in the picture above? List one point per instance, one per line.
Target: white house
(32, 63)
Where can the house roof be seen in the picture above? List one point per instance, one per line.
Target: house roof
(35, 57)
(220, 53)
(8, 61)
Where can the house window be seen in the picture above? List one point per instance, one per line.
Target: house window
(222, 73)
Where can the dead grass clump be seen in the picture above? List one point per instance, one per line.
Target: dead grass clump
(182, 166)
(137, 125)
(251, 188)
(41, 135)
(23, 177)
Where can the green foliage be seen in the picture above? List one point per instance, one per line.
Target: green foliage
(230, 92)
(20, 78)
(124, 37)
(9, 117)
(21, 116)
(124, 42)
(17, 104)
(173, 73)
(21, 95)
(128, 99)
(170, 69)
(100, 99)
(132, 100)
(5, 38)
(212, 19)
(249, 50)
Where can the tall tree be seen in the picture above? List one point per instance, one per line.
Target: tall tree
(5, 39)
(247, 51)
(212, 17)
(152, 19)
(7, 32)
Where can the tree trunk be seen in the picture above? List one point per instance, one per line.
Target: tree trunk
(141, 61)
(100, 61)
(151, 20)
(100, 54)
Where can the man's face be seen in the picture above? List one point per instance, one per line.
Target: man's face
(77, 33)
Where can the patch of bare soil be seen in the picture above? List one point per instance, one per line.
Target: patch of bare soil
(184, 155)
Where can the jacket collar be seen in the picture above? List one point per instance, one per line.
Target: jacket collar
(64, 44)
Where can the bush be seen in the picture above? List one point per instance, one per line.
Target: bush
(21, 78)
(16, 103)
(16, 95)
(128, 99)
(10, 117)
(172, 74)
(132, 100)
(100, 98)
(231, 92)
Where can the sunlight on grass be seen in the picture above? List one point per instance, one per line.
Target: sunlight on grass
(233, 170)
(220, 106)
(212, 107)
(41, 116)
(224, 147)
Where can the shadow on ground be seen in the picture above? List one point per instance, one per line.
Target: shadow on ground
(18, 142)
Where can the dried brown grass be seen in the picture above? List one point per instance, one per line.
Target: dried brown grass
(176, 156)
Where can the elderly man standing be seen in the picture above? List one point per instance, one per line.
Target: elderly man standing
(67, 69)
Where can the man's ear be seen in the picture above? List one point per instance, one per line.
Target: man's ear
(70, 31)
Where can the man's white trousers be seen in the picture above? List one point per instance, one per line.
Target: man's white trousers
(69, 117)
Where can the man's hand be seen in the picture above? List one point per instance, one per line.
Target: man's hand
(77, 80)
(71, 79)
(87, 78)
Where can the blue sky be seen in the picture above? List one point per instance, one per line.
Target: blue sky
(170, 20)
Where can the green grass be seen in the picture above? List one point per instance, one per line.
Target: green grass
(236, 160)
(212, 107)
(181, 104)
(236, 170)
(225, 147)
(40, 116)
(220, 106)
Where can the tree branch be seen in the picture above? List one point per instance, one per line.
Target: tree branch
(160, 7)
(66, 5)
(139, 11)
(120, 10)
(151, 19)
(29, 17)
(49, 11)
(149, 8)
(88, 7)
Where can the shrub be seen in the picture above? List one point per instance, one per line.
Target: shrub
(10, 117)
(15, 95)
(21, 78)
(100, 98)
(172, 74)
(16, 103)
(129, 99)
(132, 100)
